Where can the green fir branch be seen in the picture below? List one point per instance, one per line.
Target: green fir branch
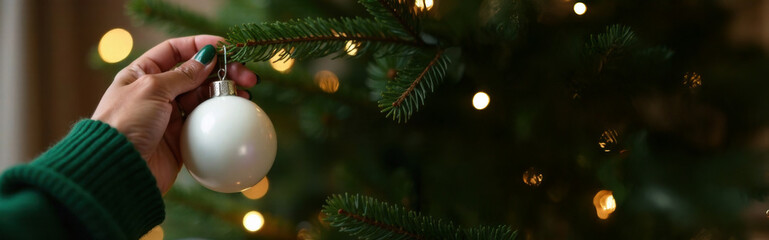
(614, 42)
(174, 18)
(406, 92)
(399, 16)
(313, 38)
(368, 218)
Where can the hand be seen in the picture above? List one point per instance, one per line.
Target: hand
(146, 99)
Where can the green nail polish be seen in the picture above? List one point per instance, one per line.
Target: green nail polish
(205, 55)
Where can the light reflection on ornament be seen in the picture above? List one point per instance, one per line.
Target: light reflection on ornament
(580, 8)
(532, 177)
(608, 140)
(257, 191)
(115, 45)
(481, 100)
(253, 221)
(351, 47)
(604, 203)
(692, 80)
(281, 65)
(327, 81)
(424, 4)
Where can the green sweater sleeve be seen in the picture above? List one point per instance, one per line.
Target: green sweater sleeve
(92, 183)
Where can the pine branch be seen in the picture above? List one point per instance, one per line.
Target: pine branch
(172, 17)
(615, 41)
(312, 38)
(368, 218)
(406, 92)
(416, 81)
(400, 17)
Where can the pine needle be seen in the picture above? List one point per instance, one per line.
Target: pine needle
(368, 218)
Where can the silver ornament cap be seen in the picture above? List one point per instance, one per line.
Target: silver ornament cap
(223, 88)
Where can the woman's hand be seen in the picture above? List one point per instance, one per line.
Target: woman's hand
(146, 99)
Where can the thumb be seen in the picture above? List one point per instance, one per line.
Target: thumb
(190, 74)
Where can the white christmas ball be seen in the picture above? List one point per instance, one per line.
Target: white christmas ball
(228, 144)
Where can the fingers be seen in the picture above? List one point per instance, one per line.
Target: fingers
(191, 99)
(165, 56)
(244, 94)
(187, 76)
(243, 76)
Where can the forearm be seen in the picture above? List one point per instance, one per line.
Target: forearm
(93, 176)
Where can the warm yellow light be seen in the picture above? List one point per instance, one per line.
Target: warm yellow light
(481, 100)
(253, 221)
(532, 177)
(580, 8)
(281, 65)
(327, 81)
(115, 45)
(351, 48)
(154, 234)
(257, 191)
(608, 140)
(604, 203)
(692, 80)
(424, 4)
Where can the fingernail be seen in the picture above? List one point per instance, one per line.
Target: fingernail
(249, 93)
(206, 54)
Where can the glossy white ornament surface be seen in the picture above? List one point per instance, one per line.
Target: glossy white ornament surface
(228, 144)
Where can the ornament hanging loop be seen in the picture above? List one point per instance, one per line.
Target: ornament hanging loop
(223, 71)
(223, 87)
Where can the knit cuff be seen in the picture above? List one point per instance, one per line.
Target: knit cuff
(97, 174)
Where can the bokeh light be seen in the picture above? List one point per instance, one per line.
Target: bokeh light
(580, 8)
(115, 45)
(608, 140)
(532, 177)
(604, 203)
(155, 234)
(257, 191)
(327, 81)
(253, 221)
(481, 100)
(281, 65)
(351, 47)
(692, 80)
(424, 4)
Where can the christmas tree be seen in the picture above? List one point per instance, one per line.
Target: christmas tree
(489, 120)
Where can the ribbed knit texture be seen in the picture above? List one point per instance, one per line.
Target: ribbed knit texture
(96, 174)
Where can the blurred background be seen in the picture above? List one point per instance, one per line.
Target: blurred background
(675, 150)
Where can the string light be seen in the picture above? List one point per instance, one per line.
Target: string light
(532, 177)
(281, 65)
(351, 47)
(608, 140)
(155, 234)
(253, 221)
(481, 100)
(257, 191)
(692, 80)
(580, 8)
(327, 81)
(604, 203)
(424, 4)
(115, 45)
